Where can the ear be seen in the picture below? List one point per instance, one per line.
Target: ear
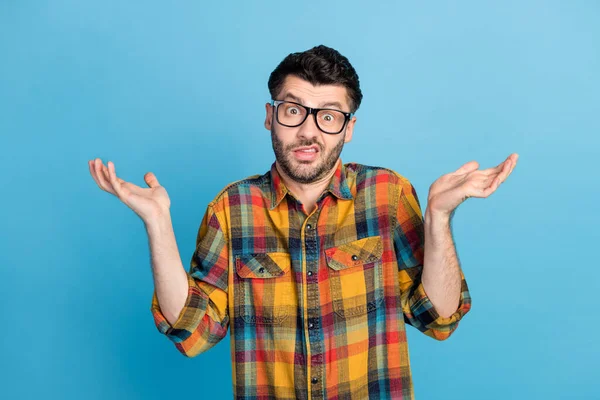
(349, 129)
(269, 116)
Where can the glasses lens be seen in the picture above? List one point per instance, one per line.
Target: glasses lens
(290, 114)
(330, 121)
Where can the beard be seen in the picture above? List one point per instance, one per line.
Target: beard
(302, 171)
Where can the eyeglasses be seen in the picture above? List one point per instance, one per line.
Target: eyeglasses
(328, 120)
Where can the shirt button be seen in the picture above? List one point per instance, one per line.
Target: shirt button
(314, 380)
(311, 325)
(309, 273)
(261, 270)
(354, 257)
(309, 226)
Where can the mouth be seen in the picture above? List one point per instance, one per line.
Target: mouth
(307, 153)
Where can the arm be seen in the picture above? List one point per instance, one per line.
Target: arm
(441, 271)
(170, 278)
(410, 238)
(442, 281)
(191, 308)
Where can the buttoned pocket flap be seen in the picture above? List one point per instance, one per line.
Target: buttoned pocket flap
(355, 253)
(262, 265)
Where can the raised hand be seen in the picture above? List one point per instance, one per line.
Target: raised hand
(147, 203)
(450, 190)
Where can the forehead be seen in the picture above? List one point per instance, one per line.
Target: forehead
(297, 89)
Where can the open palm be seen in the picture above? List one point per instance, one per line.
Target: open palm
(450, 190)
(148, 202)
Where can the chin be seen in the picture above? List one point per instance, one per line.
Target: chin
(307, 167)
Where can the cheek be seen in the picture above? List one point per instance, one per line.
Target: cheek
(331, 143)
(280, 137)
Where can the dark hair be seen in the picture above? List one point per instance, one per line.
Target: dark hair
(320, 65)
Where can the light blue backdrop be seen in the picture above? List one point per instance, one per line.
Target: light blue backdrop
(179, 89)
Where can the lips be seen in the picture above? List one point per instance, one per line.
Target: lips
(307, 149)
(306, 153)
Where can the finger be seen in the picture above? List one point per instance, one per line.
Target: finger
(101, 177)
(468, 167)
(498, 167)
(501, 172)
(479, 184)
(92, 170)
(121, 193)
(479, 190)
(511, 169)
(490, 189)
(514, 163)
(94, 173)
(151, 180)
(499, 178)
(489, 180)
(494, 170)
(505, 172)
(105, 171)
(107, 175)
(482, 185)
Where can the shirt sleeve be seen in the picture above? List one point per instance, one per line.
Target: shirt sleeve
(204, 319)
(409, 245)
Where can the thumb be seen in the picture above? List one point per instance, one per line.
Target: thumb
(468, 167)
(151, 180)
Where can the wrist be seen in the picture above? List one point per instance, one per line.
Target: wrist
(160, 222)
(437, 217)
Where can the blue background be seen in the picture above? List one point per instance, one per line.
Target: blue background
(179, 89)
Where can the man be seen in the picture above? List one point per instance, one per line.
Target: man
(314, 266)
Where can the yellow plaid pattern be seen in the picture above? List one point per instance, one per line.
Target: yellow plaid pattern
(317, 304)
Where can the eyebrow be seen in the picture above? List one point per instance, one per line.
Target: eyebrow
(322, 105)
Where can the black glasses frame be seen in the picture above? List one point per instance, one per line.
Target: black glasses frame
(313, 111)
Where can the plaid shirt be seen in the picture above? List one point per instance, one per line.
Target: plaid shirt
(317, 304)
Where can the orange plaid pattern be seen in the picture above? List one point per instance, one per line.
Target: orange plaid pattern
(316, 304)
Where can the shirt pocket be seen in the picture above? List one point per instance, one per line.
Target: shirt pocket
(356, 276)
(263, 293)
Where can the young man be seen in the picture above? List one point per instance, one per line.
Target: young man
(315, 266)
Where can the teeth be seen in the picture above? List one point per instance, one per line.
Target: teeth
(309, 151)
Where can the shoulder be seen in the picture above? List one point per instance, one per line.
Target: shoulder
(369, 175)
(388, 184)
(249, 184)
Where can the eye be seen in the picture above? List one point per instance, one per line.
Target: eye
(328, 117)
(292, 110)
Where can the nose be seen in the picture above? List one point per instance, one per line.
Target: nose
(308, 129)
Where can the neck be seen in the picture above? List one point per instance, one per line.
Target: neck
(307, 193)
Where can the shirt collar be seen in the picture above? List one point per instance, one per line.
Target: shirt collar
(338, 185)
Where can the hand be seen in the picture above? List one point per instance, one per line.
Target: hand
(450, 190)
(147, 203)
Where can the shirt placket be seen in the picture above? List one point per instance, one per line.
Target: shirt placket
(313, 318)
